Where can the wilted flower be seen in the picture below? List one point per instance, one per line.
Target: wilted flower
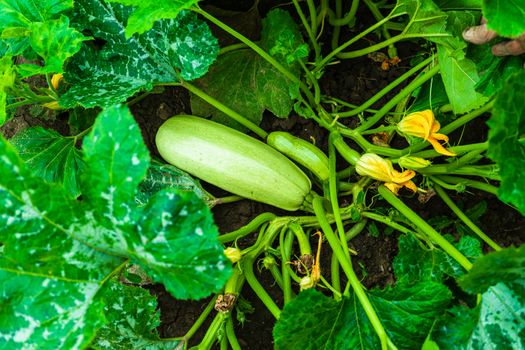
(372, 165)
(409, 162)
(424, 125)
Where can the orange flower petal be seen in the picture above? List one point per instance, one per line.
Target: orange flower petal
(439, 148)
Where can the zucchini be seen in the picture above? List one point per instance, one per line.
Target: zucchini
(301, 151)
(232, 161)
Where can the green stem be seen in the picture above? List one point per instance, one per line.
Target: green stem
(367, 147)
(336, 31)
(286, 253)
(257, 49)
(313, 16)
(407, 90)
(313, 81)
(387, 221)
(381, 45)
(470, 183)
(247, 267)
(233, 47)
(226, 110)
(424, 227)
(335, 52)
(227, 199)
(247, 229)
(346, 265)
(302, 239)
(465, 218)
(335, 273)
(337, 22)
(276, 274)
(431, 153)
(447, 129)
(212, 333)
(349, 154)
(198, 323)
(308, 29)
(332, 181)
(485, 171)
(387, 89)
(230, 334)
(356, 229)
(392, 52)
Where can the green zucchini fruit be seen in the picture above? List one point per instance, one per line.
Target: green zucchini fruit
(232, 161)
(301, 151)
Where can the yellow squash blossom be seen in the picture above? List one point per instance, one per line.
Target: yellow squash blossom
(372, 165)
(56, 79)
(424, 125)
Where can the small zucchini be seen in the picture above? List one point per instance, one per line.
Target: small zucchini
(301, 151)
(232, 161)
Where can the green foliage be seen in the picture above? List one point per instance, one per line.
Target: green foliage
(132, 317)
(509, 264)
(38, 28)
(7, 80)
(161, 176)
(51, 156)
(247, 83)
(506, 146)
(416, 262)
(499, 320)
(56, 248)
(147, 12)
(505, 16)
(173, 49)
(459, 73)
(407, 313)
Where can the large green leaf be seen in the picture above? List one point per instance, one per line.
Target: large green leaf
(132, 320)
(247, 83)
(458, 4)
(507, 265)
(44, 312)
(505, 16)
(55, 42)
(46, 236)
(179, 48)
(416, 262)
(459, 73)
(176, 244)
(116, 161)
(147, 12)
(497, 323)
(20, 19)
(51, 156)
(506, 145)
(407, 313)
(161, 176)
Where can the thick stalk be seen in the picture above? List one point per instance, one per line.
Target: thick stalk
(230, 334)
(286, 253)
(198, 323)
(247, 267)
(424, 227)
(460, 214)
(346, 265)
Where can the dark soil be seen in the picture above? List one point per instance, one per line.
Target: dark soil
(354, 81)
